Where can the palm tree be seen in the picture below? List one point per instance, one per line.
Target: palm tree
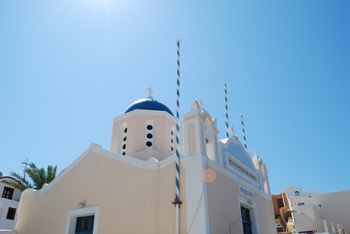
(38, 177)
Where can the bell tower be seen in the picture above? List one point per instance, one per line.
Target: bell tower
(145, 130)
(200, 132)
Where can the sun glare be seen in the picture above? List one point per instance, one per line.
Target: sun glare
(209, 175)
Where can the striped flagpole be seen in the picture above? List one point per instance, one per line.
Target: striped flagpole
(177, 198)
(227, 128)
(177, 201)
(245, 140)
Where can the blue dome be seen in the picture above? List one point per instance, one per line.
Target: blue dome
(148, 104)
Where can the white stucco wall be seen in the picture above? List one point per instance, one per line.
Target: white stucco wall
(5, 204)
(333, 207)
(225, 199)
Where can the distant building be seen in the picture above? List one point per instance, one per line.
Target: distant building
(8, 202)
(131, 187)
(311, 212)
(281, 212)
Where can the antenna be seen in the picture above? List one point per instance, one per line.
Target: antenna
(226, 122)
(245, 140)
(25, 168)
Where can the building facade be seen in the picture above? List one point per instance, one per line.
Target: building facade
(311, 212)
(131, 187)
(8, 202)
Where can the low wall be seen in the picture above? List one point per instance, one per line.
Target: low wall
(3, 231)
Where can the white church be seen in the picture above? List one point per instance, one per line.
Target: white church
(130, 188)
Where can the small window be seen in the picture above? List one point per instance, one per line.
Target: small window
(149, 139)
(7, 193)
(172, 140)
(123, 138)
(85, 225)
(301, 204)
(280, 203)
(297, 193)
(11, 213)
(149, 135)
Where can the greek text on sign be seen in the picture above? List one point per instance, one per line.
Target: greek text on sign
(233, 163)
(245, 192)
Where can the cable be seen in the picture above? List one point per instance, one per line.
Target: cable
(235, 223)
(195, 214)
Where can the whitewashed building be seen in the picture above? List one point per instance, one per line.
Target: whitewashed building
(318, 212)
(8, 202)
(131, 187)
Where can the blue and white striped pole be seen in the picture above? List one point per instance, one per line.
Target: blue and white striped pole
(245, 140)
(177, 180)
(177, 201)
(227, 128)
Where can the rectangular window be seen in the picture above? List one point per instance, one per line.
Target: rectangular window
(11, 213)
(246, 223)
(85, 225)
(7, 193)
(280, 203)
(301, 204)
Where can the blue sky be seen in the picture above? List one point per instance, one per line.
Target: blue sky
(67, 68)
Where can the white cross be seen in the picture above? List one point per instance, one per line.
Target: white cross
(150, 93)
(232, 131)
(200, 104)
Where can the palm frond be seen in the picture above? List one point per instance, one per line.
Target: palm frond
(50, 173)
(38, 176)
(21, 179)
